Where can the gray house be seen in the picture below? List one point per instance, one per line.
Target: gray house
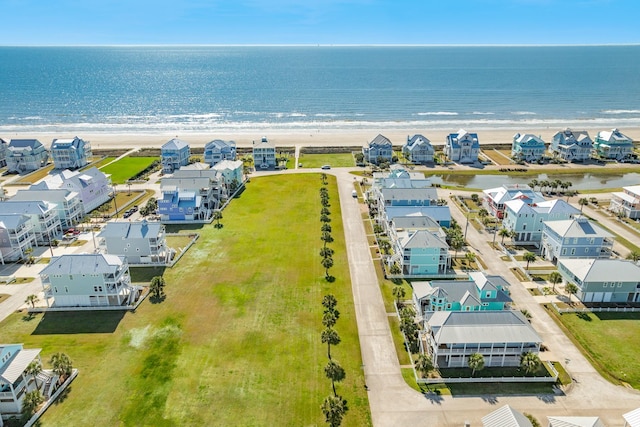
(67, 203)
(44, 221)
(571, 145)
(219, 150)
(16, 236)
(602, 280)
(380, 149)
(26, 155)
(71, 153)
(575, 238)
(139, 242)
(418, 149)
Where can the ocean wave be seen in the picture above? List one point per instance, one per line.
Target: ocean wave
(482, 113)
(523, 113)
(621, 112)
(437, 113)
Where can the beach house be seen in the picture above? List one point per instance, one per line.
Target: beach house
(527, 147)
(88, 280)
(494, 199)
(219, 150)
(420, 253)
(264, 154)
(92, 185)
(231, 172)
(67, 203)
(140, 242)
(174, 154)
(43, 218)
(462, 147)
(399, 177)
(70, 153)
(575, 238)
(26, 155)
(190, 195)
(613, 144)
(16, 236)
(379, 150)
(500, 336)
(571, 145)
(527, 220)
(506, 416)
(440, 214)
(602, 280)
(395, 196)
(418, 149)
(626, 202)
(15, 382)
(3, 153)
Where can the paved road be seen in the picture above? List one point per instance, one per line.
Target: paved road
(393, 403)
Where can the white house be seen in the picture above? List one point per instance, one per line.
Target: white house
(626, 202)
(231, 171)
(14, 381)
(67, 203)
(140, 242)
(93, 186)
(571, 145)
(379, 149)
(418, 149)
(26, 155)
(264, 154)
(462, 147)
(16, 236)
(43, 218)
(505, 417)
(602, 280)
(527, 220)
(613, 144)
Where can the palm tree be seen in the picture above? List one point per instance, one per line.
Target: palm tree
(457, 242)
(395, 269)
(583, 202)
(529, 257)
(326, 228)
(504, 233)
(571, 289)
(323, 177)
(325, 218)
(475, 362)
(156, 287)
(555, 278)
(330, 337)
(61, 365)
(32, 299)
(634, 255)
(326, 252)
(398, 292)
(334, 408)
(329, 318)
(325, 211)
(529, 362)
(217, 216)
(423, 364)
(470, 257)
(326, 238)
(475, 198)
(34, 368)
(533, 184)
(327, 263)
(329, 302)
(483, 213)
(335, 373)
(325, 202)
(30, 403)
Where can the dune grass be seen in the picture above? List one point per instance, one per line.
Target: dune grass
(237, 339)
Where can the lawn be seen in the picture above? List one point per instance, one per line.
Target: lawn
(335, 160)
(35, 176)
(237, 339)
(127, 167)
(98, 162)
(609, 341)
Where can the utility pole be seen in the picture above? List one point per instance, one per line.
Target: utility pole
(115, 194)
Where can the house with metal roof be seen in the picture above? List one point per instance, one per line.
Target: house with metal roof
(462, 147)
(480, 292)
(506, 416)
(264, 154)
(398, 177)
(218, 150)
(571, 145)
(44, 221)
(575, 238)
(405, 196)
(231, 171)
(16, 236)
(613, 144)
(626, 202)
(420, 253)
(15, 382)
(440, 214)
(527, 220)
(140, 242)
(575, 422)
(380, 149)
(88, 280)
(632, 418)
(70, 153)
(190, 195)
(527, 147)
(92, 185)
(174, 154)
(67, 203)
(500, 336)
(418, 149)
(26, 155)
(494, 199)
(602, 280)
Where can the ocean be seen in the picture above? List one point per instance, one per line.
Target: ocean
(209, 88)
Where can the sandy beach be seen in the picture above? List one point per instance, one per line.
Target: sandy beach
(288, 138)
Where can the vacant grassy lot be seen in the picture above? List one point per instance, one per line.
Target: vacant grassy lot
(98, 162)
(335, 160)
(236, 342)
(34, 176)
(498, 156)
(609, 340)
(126, 168)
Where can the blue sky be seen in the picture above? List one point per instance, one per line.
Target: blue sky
(89, 22)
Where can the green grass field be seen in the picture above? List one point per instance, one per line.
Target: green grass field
(609, 341)
(335, 160)
(237, 339)
(127, 167)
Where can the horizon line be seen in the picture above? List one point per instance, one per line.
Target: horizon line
(328, 45)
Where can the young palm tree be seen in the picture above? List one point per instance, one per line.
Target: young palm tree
(634, 256)
(555, 278)
(398, 292)
(329, 318)
(334, 408)
(61, 365)
(217, 216)
(424, 365)
(156, 287)
(529, 257)
(325, 218)
(470, 257)
(533, 184)
(583, 202)
(395, 269)
(571, 289)
(30, 403)
(475, 362)
(327, 263)
(504, 233)
(329, 302)
(529, 362)
(326, 252)
(325, 211)
(326, 228)
(330, 337)
(326, 238)
(34, 369)
(335, 373)
(31, 299)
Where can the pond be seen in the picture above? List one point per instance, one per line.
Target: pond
(582, 181)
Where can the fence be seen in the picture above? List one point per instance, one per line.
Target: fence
(551, 379)
(595, 309)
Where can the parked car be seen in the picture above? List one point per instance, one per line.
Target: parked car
(325, 167)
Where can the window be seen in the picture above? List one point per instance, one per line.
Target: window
(564, 251)
(573, 251)
(66, 289)
(586, 250)
(619, 284)
(605, 284)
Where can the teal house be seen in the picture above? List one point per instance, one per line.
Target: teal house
(420, 253)
(527, 147)
(613, 144)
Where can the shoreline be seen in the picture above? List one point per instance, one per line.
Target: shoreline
(291, 138)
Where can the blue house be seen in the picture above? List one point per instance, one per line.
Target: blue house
(420, 253)
(575, 238)
(572, 146)
(418, 149)
(406, 196)
(219, 150)
(380, 149)
(174, 154)
(613, 144)
(264, 154)
(26, 155)
(479, 293)
(527, 147)
(462, 147)
(602, 280)
(440, 214)
(70, 153)
(527, 220)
